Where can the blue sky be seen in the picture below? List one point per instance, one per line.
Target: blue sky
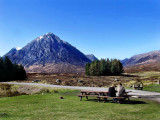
(105, 28)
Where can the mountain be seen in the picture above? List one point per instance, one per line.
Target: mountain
(143, 62)
(48, 53)
(13, 51)
(91, 57)
(124, 61)
(142, 59)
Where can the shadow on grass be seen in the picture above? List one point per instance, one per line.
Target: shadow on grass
(3, 115)
(128, 75)
(132, 102)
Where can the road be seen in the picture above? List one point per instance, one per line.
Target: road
(137, 93)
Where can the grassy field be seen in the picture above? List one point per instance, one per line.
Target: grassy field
(50, 107)
(152, 88)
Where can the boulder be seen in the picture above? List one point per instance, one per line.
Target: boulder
(58, 81)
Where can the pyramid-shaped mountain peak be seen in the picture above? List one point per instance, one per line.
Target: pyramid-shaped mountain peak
(50, 33)
(47, 36)
(48, 53)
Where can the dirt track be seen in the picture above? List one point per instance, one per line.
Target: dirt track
(144, 94)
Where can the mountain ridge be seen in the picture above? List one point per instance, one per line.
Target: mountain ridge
(49, 50)
(149, 61)
(144, 58)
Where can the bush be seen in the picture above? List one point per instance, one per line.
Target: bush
(7, 90)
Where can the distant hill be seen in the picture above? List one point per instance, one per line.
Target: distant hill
(143, 62)
(141, 68)
(91, 57)
(49, 54)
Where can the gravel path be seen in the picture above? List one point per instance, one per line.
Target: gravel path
(137, 93)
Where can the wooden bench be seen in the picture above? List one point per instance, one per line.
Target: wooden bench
(89, 92)
(119, 99)
(81, 96)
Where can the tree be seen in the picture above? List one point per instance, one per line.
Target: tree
(114, 69)
(120, 67)
(92, 69)
(87, 67)
(21, 73)
(108, 67)
(1, 69)
(104, 67)
(9, 71)
(96, 67)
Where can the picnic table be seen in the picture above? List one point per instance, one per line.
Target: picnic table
(101, 94)
(89, 92)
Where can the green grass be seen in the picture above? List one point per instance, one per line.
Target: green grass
(152, 88)
(50, 107)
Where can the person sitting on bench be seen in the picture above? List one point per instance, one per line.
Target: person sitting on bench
(112, 92)
(120, 90)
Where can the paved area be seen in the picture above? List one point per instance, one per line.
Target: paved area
(135, 93)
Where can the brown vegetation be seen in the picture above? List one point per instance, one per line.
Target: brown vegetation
(142, 68)
(56, 68)
(7, 90)
(78, 79)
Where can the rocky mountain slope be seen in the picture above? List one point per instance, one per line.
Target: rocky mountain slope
(142, 59)
(48, 53)
(143, 62)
